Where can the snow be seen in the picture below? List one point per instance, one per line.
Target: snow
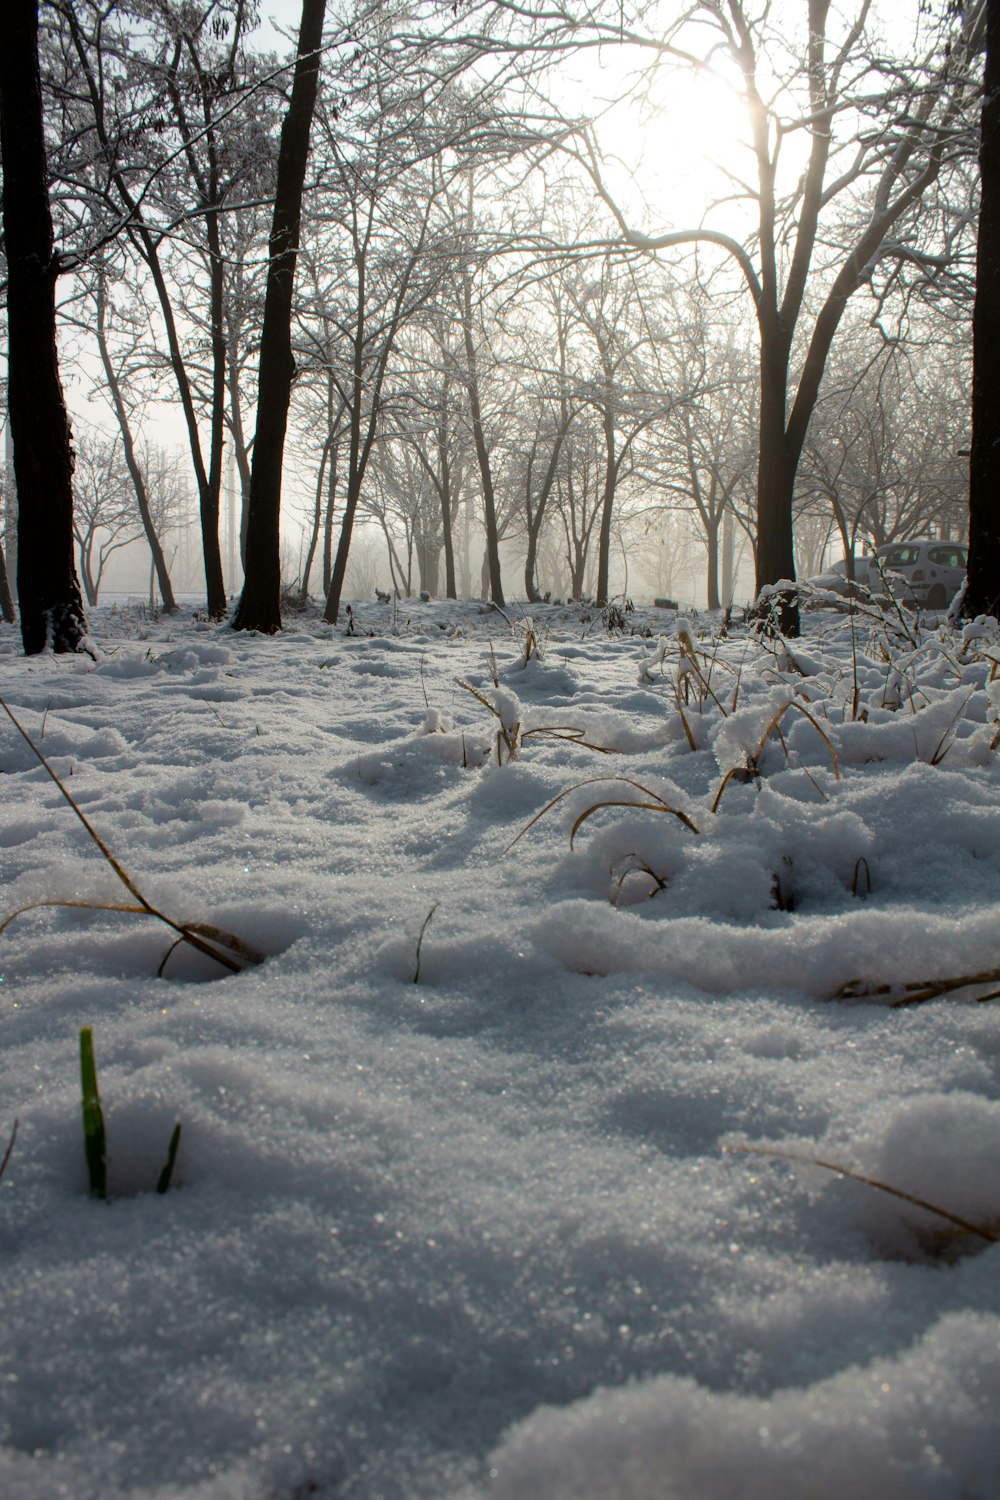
(493, 1235)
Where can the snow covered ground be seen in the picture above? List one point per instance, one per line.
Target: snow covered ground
(454, 1213)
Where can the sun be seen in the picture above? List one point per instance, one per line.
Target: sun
(683, 141)
(672, 138)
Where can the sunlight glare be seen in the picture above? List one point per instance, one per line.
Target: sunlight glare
(692, 143)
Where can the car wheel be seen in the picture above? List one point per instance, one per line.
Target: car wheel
(937, 598)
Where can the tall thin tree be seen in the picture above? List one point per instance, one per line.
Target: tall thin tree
(48, 589)
(982, 593)
(260, 603)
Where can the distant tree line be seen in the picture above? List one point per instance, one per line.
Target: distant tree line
(386, 263)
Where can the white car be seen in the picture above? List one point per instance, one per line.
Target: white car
(925, 574)
(932, 571)
(834, 580)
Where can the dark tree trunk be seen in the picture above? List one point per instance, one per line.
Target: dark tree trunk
(775, 557)
(607, 510)
(448, 542)
(482, 452)
(449, 505)
(211, 495)
(48, 589)
(357, 455)
(331, 501)
(982, 594)
(260, 604)
(712, 577)
(6, 599)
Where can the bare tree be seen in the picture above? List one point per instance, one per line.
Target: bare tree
(427, 418)
(382, 258)
(879, 134)
(159, 133)
(882, 460)
(624, 394)
(104, 515)
(122, 405)
(260, 604)
(48, 590)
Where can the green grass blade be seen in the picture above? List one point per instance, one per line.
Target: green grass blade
(94, 1145)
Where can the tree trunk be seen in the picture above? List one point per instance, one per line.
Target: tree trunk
(211, 494)
(355, 462)
(260, 604)
(8, 521)
(982, 594)
(448, 508)
(317, 521)
(448, 542)
(607, 510)
(428, 564)
(332, 612)
(712, 572)
(775, 558)
(6, 598)
(87, 572)
(482, 452)
(728, 558)
(132, 463)
(8, 531)
(236, 431)
(48, 589)
(331, 501)
(535, 519)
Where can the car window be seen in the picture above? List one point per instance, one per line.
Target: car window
(947, 557)
(899, 557)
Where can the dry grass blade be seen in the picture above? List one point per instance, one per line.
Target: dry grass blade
(815, 724)
(225, 939)
(420, 941)
(657, 807)
(10, 1147)
(688, 652)
(83, 905)
(639, 867)
(896, 608)
(228, 952)
(739, 773)
(965, 1225)
(917, 993)
(941, 748)
(684, 723)
(507, 734)
(753, 757)
(569, 734)
(592, 781)
(224, 947)
(480, 697)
